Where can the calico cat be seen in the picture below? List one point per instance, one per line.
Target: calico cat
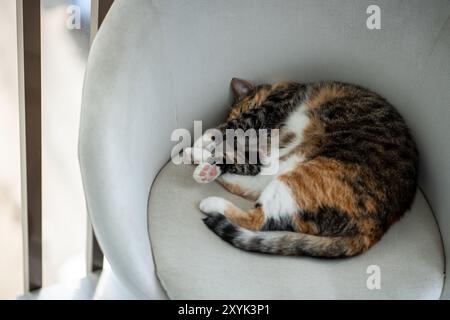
(347, 170)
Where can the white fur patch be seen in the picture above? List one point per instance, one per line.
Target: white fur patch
(295, 123)
(283, 166)
(290, 163)
(195, 155)
(214, 205)
(277, 200)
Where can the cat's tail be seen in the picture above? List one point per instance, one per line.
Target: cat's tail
(285, 242)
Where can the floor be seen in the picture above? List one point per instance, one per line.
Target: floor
(84, 289)
(96, 286)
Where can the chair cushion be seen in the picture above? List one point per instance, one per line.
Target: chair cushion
(193, 263)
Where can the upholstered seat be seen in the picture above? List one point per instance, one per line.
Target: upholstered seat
(192, 262)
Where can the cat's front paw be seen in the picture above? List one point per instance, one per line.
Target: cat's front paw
(204, 141)
(213, 205)
(195, 155)
(206, 172)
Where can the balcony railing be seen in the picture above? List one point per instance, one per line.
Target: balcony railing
(30, 103)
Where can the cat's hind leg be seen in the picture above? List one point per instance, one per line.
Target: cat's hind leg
(251, 220)
(275, 209)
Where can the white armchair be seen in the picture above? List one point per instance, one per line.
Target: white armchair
(159, 65)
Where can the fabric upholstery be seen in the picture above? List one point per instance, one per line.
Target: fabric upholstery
(192, 262)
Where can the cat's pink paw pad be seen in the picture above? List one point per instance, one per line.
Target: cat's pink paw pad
(206, 172)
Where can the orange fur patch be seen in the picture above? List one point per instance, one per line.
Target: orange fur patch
(241, 107)
(326, 93)
(282, 85)
(260, 96)
(319, 182)
(256, 100)
(307, 227)
(252, 220)
(359, 244)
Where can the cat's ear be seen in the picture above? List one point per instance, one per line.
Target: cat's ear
(241, 88)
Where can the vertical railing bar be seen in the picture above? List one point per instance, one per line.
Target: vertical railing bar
(99, 9)
(103, 8)
(97, 254)
(94, 19)
(30, 106)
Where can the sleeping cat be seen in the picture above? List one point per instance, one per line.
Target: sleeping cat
(347, 170)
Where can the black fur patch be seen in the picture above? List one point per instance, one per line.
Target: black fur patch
(221, 226)
(279, 224)
(330, 221)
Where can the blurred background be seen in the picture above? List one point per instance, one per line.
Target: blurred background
(64, 55)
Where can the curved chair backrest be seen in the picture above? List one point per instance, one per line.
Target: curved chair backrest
(160, 65)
